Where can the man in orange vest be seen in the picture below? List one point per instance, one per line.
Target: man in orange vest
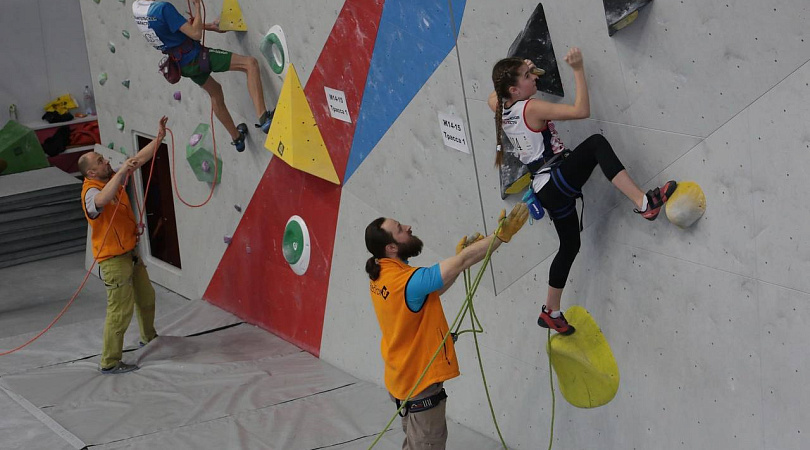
(409, 311)
(114, 239)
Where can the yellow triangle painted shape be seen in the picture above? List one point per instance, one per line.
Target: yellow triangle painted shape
(294, 135)
(587, 372)
(231, 17)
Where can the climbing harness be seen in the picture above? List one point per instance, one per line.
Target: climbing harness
(416, 406)
(552, 167)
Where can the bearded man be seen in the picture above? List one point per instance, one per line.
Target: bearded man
(409, 311)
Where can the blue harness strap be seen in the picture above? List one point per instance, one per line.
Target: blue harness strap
(569, 191)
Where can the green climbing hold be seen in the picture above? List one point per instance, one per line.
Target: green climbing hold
(125, 83)
(111, 46)
(111, 145)
(119, 123)
(97, 1)
(122, 149)
(102, 78)
(295, 245)
(200, 156)
(125, 33)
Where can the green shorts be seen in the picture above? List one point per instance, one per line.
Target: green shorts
(220, 62)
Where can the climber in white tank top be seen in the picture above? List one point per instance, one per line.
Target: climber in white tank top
(524, 122)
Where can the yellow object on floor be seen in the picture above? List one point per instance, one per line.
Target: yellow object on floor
(586, 369)
(231, 18)
(294, 135)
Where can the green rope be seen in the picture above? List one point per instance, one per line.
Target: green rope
(467, 305)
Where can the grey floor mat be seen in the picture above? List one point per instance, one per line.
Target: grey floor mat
(229, 386)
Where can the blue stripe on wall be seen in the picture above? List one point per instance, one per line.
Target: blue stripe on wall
(414, 37)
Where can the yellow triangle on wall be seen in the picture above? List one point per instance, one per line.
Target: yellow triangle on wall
(231, 17)
(294, 136)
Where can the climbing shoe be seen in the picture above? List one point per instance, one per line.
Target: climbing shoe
(265, 121)
(240, 142)
(656, 199)
(558, 324)
(121, 367)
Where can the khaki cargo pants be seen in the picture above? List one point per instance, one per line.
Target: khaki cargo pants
(426, 430)
(128, 288)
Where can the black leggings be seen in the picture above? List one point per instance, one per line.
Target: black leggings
(575, 169)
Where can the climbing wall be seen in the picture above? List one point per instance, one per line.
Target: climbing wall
(705, 323)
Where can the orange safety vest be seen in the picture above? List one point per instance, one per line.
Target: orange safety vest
(122, 236)
(409, 338)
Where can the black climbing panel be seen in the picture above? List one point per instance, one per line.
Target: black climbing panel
(534, 43)
(620, 13)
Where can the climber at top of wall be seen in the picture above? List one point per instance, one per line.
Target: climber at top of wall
(523, 126)
(168, 31)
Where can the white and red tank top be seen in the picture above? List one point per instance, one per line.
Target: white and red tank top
(529, 145)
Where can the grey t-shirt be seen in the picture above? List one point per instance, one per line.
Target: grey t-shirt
(90, 203)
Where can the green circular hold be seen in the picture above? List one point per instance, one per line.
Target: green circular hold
(277, 66)
(296, 245)
(293, 243)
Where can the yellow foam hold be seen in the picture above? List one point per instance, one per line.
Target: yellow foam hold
(686, 205)
(231, 17)
(519, 184)
(294, 136)
(586, 369)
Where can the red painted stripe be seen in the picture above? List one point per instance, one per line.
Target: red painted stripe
(258, 285)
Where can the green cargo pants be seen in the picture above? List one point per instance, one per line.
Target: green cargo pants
(128, 288)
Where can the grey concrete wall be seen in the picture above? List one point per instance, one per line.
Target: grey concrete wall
(201, 230)
(44, 57)
(707, 324)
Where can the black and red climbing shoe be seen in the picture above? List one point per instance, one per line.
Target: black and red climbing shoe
(656, 199)
(558, 324)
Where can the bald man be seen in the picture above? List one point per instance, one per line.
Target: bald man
(114, 240)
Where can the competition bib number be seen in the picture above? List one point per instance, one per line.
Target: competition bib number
(521, 145)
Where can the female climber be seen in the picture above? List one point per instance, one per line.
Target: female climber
(523, 126)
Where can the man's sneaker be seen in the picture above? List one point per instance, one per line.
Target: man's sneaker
(656, 199)
(265, 121)
(558, 324)
(240, 142)
(121, 367)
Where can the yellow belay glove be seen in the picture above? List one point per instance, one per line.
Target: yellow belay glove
(467, 241)
(513, 223)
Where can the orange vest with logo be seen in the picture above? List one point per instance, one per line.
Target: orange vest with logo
(122, 236)
(409, 338)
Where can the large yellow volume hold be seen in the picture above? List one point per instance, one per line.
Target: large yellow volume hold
(231, 17)
(586, 369)
(294, 135)
(686, 205)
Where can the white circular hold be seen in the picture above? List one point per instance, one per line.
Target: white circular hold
(278, 55)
